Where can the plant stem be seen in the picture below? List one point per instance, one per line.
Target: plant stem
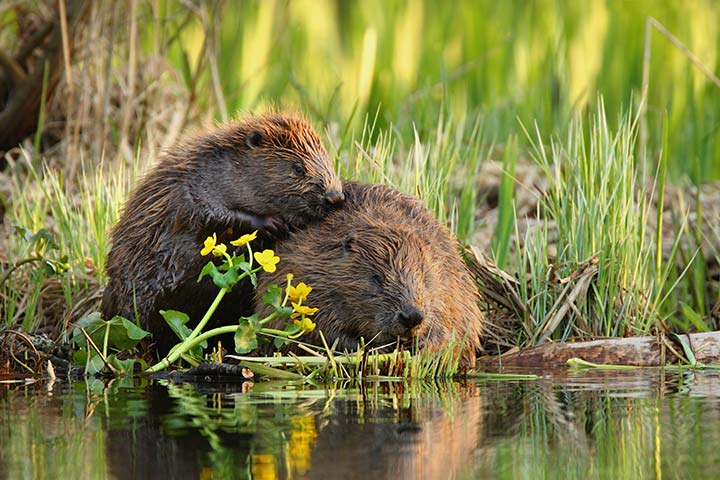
(188, 342)
(209, 334)
(207, 315)
(272, 331)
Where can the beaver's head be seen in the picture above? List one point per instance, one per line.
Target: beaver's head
(269, 165)
(392, 288)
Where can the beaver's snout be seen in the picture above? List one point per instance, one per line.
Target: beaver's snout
(410, 317)
(334, 198)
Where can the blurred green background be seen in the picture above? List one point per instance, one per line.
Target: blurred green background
(410, 61)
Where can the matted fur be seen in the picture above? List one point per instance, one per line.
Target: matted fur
(382, 253)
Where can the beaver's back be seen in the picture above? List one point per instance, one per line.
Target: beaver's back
(268, 172)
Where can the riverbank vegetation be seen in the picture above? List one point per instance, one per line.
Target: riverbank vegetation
(576, 151)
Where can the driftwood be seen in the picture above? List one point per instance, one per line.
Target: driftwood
(638, 351)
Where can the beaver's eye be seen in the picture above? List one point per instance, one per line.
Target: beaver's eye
(377, 282)
(299, 170)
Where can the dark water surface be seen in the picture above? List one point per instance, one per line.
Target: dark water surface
(636, 424)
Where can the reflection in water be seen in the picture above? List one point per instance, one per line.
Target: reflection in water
(637, 424)
(423, 431)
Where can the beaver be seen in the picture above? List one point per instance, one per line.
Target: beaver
(269, 173)
(383, 268)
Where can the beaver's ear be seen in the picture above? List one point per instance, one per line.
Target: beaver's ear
(347, 243)
(255, 139)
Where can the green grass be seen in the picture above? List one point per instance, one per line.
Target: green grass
(79, 218)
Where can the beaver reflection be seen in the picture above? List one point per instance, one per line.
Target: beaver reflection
(427, 438)
(390, 433)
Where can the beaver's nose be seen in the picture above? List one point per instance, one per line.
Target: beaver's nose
(410, 317)
(334, 197)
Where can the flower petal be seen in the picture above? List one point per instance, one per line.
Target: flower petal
(267, 260)
(209, 245)
(219, 250)
(245, 239)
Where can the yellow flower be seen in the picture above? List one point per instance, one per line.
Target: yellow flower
(306, 325)
(247, 238)
(289, 277)
(299, 293)
(209, 245)
(219, 250)
(302, 310)
(267, 260)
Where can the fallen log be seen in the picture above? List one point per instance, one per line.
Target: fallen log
(637, 351)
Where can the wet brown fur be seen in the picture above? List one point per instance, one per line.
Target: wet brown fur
(379, 255)
(267, 172)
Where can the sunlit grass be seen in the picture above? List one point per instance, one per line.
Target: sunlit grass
(602, 276)
(80, 219)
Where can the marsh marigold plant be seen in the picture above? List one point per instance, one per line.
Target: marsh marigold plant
(233, 269)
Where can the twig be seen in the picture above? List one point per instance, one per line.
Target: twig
(97, 350)
(28, 342)
(10, 270)
(65, 44)
(132, 74)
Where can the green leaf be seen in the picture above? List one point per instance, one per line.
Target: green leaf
(118, 334)
(241, 265)
(88, 320)
(123, 366)
(222, 280)
(95, 365)
(695, 318)
(209, 267)
(246, 335)
(177, 321)
(229, 278)
(42, 237)
(279, 342)
(273, 296)
(79, 358)
(245, 267)
(133, 331)
(48, 267)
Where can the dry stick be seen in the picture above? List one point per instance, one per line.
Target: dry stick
(562, 305)
(131, 80)
(65, 44)
(27, 341)
(651, 22)
(100, 353)
(107, 79)
(69, 100)
(210, 30)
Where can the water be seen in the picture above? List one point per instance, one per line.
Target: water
(637, 424)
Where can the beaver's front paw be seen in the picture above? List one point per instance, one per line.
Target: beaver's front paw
(273, 227)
